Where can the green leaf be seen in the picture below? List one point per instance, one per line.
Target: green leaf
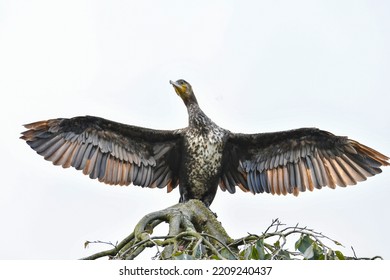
(198, 251)
(182, 256)
(309, 252)
(260, 249)
(339, 255)
(284, 255)
(304, 243)
(245, 254)
(318, 251)
(321, 257)
(254, 253)
(226, 254)
(298, 243)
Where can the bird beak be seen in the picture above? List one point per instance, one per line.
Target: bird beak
(178, 88)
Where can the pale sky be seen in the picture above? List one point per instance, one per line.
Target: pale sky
(255, 66)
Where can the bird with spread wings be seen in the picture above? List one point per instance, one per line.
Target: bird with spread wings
(203, 155)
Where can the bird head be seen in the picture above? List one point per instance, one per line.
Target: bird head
(184, 90)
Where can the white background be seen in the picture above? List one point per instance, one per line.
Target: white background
(256, 66)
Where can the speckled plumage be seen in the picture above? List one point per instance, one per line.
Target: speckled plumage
(204, 143)
(203, 155)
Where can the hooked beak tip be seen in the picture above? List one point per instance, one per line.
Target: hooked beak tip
(174, 84)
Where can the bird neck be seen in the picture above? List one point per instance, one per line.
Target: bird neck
(196, 117)
(189, 100)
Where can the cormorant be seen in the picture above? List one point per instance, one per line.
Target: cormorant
(203, 155)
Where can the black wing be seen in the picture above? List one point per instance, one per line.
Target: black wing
(115, 153)
(296, 160)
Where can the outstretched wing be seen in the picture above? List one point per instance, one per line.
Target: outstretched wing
(296, 160)
(115, 153)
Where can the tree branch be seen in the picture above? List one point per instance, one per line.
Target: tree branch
(195, 233)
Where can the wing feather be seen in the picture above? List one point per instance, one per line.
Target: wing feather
(297, 160)
(114, 153)
(286, 179)
(56, 152)
(311, 174)
(282, 188)
(270, 185)
(317, 176)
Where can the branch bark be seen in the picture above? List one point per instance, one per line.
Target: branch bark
(195, 233)
(193, 229)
